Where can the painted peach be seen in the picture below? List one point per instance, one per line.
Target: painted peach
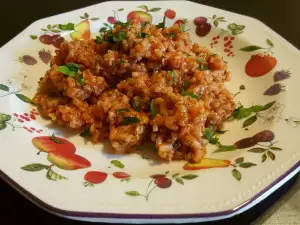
(81, 31)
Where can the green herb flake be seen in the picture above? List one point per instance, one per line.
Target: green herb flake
(185, 85)
(162, 24)
(69, 69)
(202, 67)
(174, 77)
(171, 35)
(68, 26)
(199, 60)
(131, 120)
(86, 133)
(81, 80)
(53, 138)
(98, 40)
(191, 94)
(181, 27)
(153, 109)
(135, 104)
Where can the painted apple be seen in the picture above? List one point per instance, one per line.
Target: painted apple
(68, 161)
(140, 16)
(46, 144)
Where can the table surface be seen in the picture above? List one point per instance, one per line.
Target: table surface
(282, 207)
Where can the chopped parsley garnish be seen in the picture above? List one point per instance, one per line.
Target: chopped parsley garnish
(99, 39)
(185, 85)
(173, 76)
(86, 132)
(186, 93)
(68, 26)
(69, 69)
(162, 24)
(142, 35)
(181, 27)
(171, 34)
(199, 60)
(81, 80)
(131, 120)
(123, 110)
(53, 138)
(153, 109)
(120, 36)
(202, 67)
(135, 104)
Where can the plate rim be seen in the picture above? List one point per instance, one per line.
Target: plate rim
(100, 215)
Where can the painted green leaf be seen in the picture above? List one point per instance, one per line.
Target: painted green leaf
(117, 163)
(4, 87)
(54, 139)
(240, 27)
(34, 167)
(4, 117)
(132, 193)
(257, 150)
(179, 180)
(268, 105)
(271, 155)
(189, 176)
(216, 23)
(239, 160)
(175, 175)
(51, 175)
(68, 26)
(24, 98)
(2, 125)
(82, 17)
(121, 9)
(236, 174)
(249, 121)
(276, 148)
(49, 26)
(55, 31)
(95, 18)
(43, 29)
(250, 48)
(236, 32)
(225, 148)
(232, 26)
(154, 9)
(242, 87)
(33, 37)
(143, 7)
(214, 17)
(247, 165)
(263, 157)
(86, 15)
(270, 43)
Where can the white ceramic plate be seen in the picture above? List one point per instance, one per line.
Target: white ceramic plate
(265, 70)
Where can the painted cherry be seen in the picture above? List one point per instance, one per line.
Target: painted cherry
(95, 177)
(163, 182)
(121, 175)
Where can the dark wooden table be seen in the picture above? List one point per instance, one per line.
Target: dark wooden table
(17, 15)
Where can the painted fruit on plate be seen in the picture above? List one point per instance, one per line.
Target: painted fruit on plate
(260, 65)
(46, 144)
